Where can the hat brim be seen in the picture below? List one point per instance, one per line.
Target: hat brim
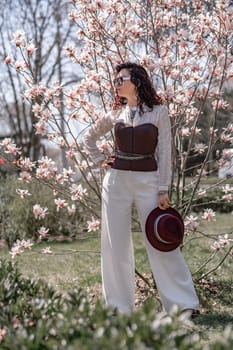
(149, 228)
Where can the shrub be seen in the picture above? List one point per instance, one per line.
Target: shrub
(16, 215)
(212, 199)
(35, 317)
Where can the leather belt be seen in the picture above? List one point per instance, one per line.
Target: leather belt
(132, 156)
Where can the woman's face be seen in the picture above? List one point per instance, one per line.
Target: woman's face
(124, 86)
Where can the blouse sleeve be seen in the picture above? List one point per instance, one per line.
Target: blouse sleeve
(164, 149)
(93, 134)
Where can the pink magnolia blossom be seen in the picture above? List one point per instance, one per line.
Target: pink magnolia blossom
(74, 15)
(57, 87)
(228, 197)
(8, 60)
(37, 109)
(25, 176)
(5, 142)
(227, 188)
(23, 193)
(46, 162)
(100, 4)
(27, 244)
(216, 246)
(221, 163)
(226, 136)
(74, 115)
(15, 251)
(70, 154)
(61, 141)
(77, 192)
(200, 148)
(43, 232)
(47, 250)
(43, 173)
(70, 51)
(201, 192)
(30, 48)
(51, 93)
(19, 65)
(208, 215)
(55, 192)
(39, 212)
(19, 247)
(66, 173)
(93, 225)
(41, 128)
(185, 132)
(46, 115)
(227, 153)
(26, 164)
(10, 147)
(196, 131)
(72, 209)
(224, 240)
(191, 222)
(60, 203)
(229, 128)
(18, 38)
(213, 131)
(84, 165)
(59, 179)
(220, 104)
(34, 91)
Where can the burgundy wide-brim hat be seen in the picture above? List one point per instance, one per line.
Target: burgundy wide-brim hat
(165, 229)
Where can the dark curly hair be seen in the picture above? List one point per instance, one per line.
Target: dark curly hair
(140, 78)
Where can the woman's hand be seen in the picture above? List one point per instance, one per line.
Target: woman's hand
(107, 163)
(103, 164)
(163, 200)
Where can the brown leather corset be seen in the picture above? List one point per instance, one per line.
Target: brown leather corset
(138, 140)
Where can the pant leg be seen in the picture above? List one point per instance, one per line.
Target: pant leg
(117, 259)
(171, 274)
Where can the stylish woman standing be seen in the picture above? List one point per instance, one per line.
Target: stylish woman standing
(140, 173)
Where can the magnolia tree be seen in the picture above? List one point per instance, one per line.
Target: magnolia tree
(187, 49)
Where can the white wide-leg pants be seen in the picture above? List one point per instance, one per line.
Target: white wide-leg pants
(173, 279)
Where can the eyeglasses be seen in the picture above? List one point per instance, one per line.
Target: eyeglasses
(120, 80)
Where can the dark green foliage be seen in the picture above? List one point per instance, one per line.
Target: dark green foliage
(16, 215)
(35, 317)
(212, 199)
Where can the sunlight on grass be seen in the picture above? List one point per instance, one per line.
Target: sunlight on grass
(72, 265)
(77, 263)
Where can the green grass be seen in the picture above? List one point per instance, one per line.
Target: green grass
(77, 264)
(71, 265)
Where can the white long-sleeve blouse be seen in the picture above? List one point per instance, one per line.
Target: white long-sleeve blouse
(158, 117)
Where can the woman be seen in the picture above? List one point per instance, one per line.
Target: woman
(140, 173)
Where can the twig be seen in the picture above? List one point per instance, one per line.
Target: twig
(142, 277)
(217, 266)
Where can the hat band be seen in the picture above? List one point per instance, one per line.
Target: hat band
(156, 229)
